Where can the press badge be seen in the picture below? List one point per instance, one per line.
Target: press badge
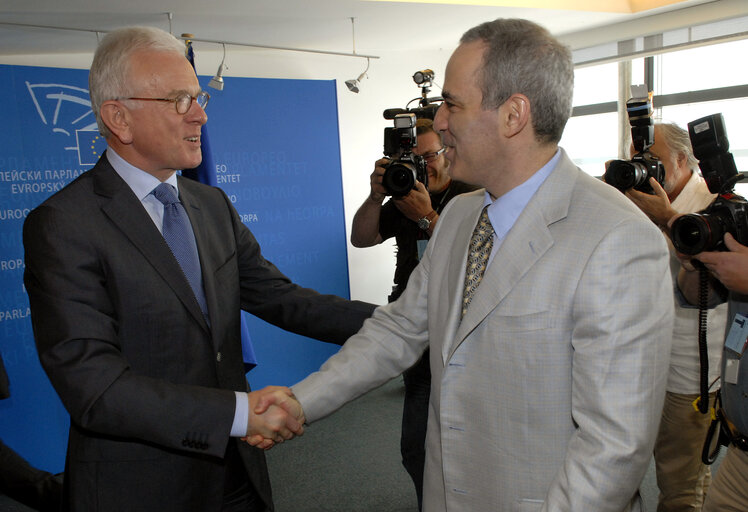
(737, 337)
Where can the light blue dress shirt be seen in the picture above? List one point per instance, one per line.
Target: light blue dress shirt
(505, 210)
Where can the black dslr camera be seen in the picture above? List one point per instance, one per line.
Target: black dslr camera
(405, 169)
(401, 173)
(704, 231)
(635, 173)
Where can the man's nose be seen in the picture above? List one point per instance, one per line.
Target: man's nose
(440, 119)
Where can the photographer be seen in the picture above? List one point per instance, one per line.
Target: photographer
(682, 477)
(728, 281)
(411, 220)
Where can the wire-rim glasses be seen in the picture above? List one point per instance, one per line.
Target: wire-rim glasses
(430, 157)
(182, 102)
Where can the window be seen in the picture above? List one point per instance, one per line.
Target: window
(592, 140)
(688, 84)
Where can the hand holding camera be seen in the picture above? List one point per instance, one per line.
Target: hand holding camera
(416, 204)
(728, 266)
(656, 206)
(636, 173)
(378, 192)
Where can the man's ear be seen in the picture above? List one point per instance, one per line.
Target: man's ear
(117, 118)
(682, 160)
(516, 114)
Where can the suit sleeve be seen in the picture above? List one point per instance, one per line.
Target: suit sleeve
(4, 384)
(388, 344)
(623, 312)
(78, 333)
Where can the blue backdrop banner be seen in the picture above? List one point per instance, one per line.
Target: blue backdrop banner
(276, 153)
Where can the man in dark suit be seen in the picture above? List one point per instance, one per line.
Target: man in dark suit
(21, 481)
(145, 353)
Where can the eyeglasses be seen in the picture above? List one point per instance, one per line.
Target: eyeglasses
(183, 102)
(430, 157)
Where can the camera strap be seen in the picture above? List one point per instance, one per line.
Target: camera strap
(703, 402)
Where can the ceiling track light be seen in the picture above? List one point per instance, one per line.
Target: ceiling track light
(354, 84)
(217, 81)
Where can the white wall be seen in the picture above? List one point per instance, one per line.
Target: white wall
(389, 84)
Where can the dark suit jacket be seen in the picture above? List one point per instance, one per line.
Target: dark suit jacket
(4, 385)
(148, 384)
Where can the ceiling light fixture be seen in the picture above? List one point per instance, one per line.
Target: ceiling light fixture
(200, 40)
(353, 85)
(217, 81)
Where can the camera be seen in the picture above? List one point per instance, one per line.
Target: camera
(635, 173)
(704, 231)
(428, 106)
(401, 174)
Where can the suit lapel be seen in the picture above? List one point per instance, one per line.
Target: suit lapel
(524, 245)
(120, 205)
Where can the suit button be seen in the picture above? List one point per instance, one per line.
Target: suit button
(218, 357)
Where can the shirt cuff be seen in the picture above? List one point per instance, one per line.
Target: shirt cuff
(241, 415)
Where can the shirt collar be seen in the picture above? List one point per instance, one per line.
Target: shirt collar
(141, 182)
(505, 210)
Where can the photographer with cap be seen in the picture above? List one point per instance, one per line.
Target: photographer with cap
(682, 477)
(411, 219)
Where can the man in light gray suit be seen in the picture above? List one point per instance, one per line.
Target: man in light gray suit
(548, 383)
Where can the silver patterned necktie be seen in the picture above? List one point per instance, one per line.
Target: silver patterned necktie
(178, 234)
(478, 252)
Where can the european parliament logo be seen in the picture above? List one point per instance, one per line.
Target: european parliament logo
(66, 109)
(91, 145)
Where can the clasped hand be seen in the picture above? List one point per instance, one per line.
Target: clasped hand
(274, 416)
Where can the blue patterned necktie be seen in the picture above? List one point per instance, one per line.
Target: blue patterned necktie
(178, 234)
(478, 252)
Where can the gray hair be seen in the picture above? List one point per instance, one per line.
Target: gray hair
(523, 57)
(110, 70)
(678, 141)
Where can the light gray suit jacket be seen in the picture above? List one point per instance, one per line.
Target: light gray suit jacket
(548, 394)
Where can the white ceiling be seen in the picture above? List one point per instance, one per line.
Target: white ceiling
(380, 27)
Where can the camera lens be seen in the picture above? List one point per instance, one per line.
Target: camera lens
(398, 179)
(695, 233)
(624, 175)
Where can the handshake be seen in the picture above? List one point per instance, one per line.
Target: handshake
(274, 416)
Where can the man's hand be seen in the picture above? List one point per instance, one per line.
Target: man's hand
(415, 205)
(729, 267)
(657, 207)
(365, 227)
(378, 192)
(274, 416)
